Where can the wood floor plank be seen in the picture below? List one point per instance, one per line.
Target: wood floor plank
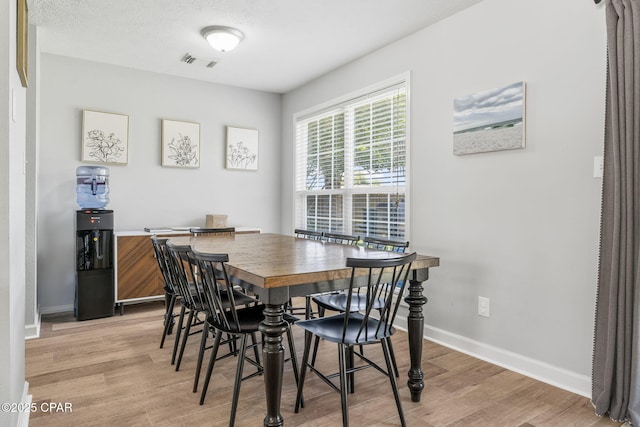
(113, 372)
(512, 410)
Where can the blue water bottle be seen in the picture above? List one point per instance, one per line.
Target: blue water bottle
(92, 187)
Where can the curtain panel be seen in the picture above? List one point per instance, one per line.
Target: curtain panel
(615, 378)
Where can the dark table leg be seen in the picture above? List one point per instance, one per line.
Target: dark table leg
(415, 327)
(272, 329)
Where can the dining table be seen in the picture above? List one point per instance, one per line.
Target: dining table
(277, 267)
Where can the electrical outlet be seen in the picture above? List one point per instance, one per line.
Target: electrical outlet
(483, 306)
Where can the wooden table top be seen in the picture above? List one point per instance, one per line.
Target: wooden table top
(275, 260)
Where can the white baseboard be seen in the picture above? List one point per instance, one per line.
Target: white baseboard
(32, 331)
(56, 309)
(536, 369)
(23, 417)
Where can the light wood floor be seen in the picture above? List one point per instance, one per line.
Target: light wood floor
(112, 373)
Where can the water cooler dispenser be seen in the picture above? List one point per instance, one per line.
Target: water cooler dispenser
(94, 264)
(95, 294)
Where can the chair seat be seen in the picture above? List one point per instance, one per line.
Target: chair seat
(290, 319)
(338, 302)
(331, 329)
(240, 298)
(249, 319)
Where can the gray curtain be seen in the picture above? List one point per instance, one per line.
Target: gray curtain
(615, 372)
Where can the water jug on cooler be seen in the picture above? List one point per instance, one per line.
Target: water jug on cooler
(92, 187)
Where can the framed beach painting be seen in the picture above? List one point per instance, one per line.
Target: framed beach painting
(489, 120)
(180, 144)
(242, 148)
(105, 137)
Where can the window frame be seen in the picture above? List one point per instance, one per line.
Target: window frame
(329, 108)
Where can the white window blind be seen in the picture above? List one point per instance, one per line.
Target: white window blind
(351, 168)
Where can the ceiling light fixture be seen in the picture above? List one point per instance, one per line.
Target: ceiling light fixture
(222, 38)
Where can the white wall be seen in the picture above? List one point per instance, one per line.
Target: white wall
(12, 223)
(519, 227)
(143, 193)
(32, 315)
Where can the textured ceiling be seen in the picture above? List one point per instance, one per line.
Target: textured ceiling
(287, 42)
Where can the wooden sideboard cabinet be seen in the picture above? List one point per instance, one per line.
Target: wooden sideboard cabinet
(137, 276)
(137, 273)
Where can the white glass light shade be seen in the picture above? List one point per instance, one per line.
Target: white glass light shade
(221, 38)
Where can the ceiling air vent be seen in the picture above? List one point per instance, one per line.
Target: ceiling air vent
(188, 59)
(207, 63)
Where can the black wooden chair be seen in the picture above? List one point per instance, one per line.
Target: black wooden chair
(306, 310)
(308, 234)
(225, 317)
(355, 328)
(338, 301)
(192, 298)
(385, 244)
(170, 292)
(343, 239)
(323, 300)
(198, 231)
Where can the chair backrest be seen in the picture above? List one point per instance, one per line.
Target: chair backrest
(343, 239)
(198, 231)
(184, 273)
(385, 245)
(218, 291)
(162, 256)
(383, 277)
(308, 234)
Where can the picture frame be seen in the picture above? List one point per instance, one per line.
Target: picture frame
(242, 148)
(490, 120)
(22, 42)
(180, 144)
(105, 137)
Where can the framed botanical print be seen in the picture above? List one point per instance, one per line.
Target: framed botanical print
(180, 144)
(242, 148)
(105, 137)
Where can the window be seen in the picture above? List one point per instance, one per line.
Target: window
(351, 171)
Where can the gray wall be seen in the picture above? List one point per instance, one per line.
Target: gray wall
(519, 227)
(12, 222)
(143, 193)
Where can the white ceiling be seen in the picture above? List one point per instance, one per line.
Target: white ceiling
(286, 42)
